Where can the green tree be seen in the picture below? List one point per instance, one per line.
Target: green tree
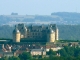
(4, 58)
(63, 52)
(14, 58)
(51, 52)
(25, 56)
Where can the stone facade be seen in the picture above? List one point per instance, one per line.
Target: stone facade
(38, 52)
(48, 33)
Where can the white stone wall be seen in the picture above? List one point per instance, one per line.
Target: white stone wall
(18, 37)
(36, 53)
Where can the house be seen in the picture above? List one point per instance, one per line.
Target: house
(38, 52)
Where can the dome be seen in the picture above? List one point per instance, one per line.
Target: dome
(16, 31)
(51, 31)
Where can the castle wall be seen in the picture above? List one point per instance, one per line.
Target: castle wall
(16, 37)
(36, 35)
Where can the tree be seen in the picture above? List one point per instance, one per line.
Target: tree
(25, 56)
(51, 52)
(14, 58)
(4, 58)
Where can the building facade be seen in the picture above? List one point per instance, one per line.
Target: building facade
(44, 33)
(38, 52)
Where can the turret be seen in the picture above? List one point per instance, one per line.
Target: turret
(56, 34)
(51, 35)
(25, 32)
(16, 35)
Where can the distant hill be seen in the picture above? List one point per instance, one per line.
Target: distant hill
(67, 14)
(60, 18)
(69, 17)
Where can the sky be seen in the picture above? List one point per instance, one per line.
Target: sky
(38, 7)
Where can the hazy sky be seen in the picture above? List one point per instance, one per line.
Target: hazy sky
(38, 7)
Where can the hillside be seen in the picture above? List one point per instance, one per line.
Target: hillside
(59, 18)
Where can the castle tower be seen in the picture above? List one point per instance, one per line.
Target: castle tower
(16, 35)
(56, 34)
(51, 36)
(25, 32)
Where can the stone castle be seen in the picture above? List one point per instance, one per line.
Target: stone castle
(47, 33)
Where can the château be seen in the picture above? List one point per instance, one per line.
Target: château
(45, 33)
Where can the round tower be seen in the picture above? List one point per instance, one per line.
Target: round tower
(56, 34)
(25, 32)
(16, 35)
(51, 36)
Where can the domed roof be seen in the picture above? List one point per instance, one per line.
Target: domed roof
(16, 31)
(51, 31)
